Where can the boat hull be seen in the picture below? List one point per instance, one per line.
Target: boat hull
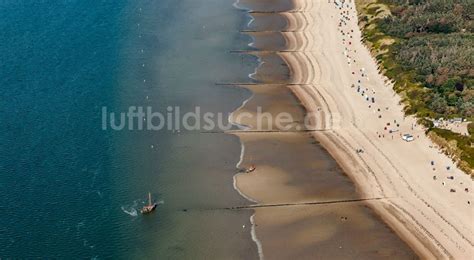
(148, 209)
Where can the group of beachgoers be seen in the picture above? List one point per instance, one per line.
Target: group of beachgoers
(390, 127)
(359, 74)
(445, 177)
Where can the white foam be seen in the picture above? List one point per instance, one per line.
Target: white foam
(260, 63)
(231, 115)
(237, 189)
(255, 239)
(252, 44)
(242, 150)
(236, 5)
(251, 21)
(234, 178)
(132, 211)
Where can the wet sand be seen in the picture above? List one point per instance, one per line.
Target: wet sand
(404, 214)
(272, 68)
(419, 207)
(272, 100)
(434, 222)
(307, 206)
(294, 170)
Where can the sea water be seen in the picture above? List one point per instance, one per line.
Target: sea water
(71, 189)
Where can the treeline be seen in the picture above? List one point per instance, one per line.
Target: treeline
(434, 45)
(426, 47)
(413, 17)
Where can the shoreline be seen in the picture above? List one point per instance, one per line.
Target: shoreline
(419, 232)
(268, 185)
(413, 209)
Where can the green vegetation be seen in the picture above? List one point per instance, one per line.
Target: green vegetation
(456, 146)
(426, 48)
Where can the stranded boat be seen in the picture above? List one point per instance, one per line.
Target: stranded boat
(251, 169)
(150, 207)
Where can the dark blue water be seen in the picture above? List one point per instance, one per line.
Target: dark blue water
(69, 188)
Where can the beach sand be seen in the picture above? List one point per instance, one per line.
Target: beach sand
(327, 57)
(293, 176)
